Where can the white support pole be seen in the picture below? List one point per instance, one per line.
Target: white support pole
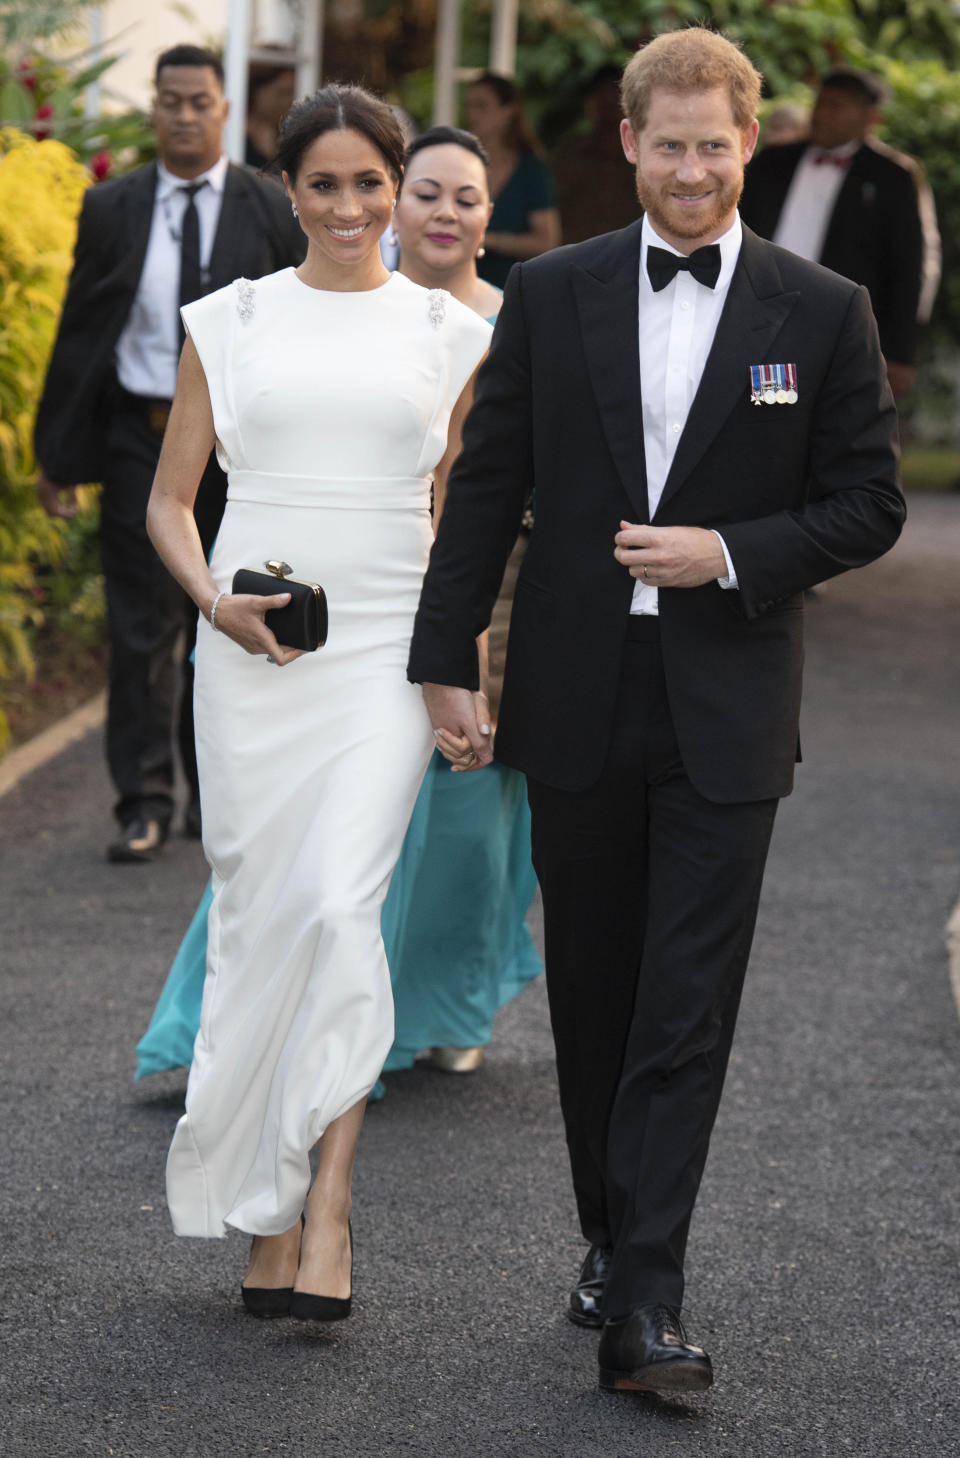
(503, 37)
(91, 100)
(310, 47)
(447, 56)
(236, 68)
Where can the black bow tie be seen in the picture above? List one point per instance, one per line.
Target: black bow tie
(703, 263)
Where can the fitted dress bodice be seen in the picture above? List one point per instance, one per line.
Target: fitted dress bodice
(334, 388)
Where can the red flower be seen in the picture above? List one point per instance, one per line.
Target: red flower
(43, 113)
(100, 165)
(25, 74)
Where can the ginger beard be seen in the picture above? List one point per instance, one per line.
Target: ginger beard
(683, 221)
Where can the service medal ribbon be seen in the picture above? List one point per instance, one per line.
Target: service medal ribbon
(773, 384)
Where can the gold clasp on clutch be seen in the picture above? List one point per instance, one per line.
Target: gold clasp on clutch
(278, 568)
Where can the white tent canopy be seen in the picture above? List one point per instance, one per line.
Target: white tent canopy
(292, 30)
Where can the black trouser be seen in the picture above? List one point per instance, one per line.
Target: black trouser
(146, 611)
(650, 896)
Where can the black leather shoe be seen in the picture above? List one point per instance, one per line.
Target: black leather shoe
(586, 1298)
(304, 1306)
(193, 821)
(267, 1301)
(139, 840)
(648, 1351)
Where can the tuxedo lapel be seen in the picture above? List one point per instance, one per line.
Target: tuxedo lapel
(226, 256)
(754, 313)
(138, 202)
(853, 210)
(607, 302)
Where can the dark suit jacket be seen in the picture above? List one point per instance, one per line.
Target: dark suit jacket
(800, 493)
(256, 234)
(874, 236)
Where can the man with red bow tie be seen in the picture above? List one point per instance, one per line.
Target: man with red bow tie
(838, 201)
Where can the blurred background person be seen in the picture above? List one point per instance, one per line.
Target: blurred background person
(596, 189)
(525, 221)
(159, 237)
(840, 202)
(787, 123)
(270, 93)
(454, 921)
(932, 266)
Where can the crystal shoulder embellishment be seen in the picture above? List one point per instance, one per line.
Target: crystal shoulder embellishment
(437, 301)
(245, 299)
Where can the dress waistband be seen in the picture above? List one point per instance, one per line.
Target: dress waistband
(383, 493)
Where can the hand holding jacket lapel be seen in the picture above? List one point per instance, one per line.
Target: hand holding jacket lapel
(755, 311)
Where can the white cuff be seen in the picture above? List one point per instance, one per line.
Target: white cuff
(731, 578)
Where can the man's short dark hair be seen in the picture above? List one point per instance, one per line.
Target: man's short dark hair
(189, 56)
(862, 84)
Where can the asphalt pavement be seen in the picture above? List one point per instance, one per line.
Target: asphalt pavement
(823, 1268)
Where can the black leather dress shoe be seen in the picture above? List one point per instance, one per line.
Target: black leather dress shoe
(139, 840)
(648, 1351)
(305, 1306)
(586, 1298)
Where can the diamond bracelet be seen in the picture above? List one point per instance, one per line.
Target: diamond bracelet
(213, 611)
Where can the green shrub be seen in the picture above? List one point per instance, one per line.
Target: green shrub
(43, 563)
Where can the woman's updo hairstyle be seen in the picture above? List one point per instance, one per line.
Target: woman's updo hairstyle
(445, 136)
(337, 108)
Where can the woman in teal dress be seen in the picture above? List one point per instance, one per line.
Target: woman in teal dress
(454, 922)
(525, 219)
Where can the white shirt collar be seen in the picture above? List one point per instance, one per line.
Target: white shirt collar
(729, 248)
(215, 176)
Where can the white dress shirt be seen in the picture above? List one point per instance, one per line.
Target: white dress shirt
(677, 326)
(148, 350)
(809, 203)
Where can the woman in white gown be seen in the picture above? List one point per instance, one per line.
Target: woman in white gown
(334, 394)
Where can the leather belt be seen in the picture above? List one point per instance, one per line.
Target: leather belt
(154, 412)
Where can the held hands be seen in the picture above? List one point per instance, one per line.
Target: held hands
(241, 616)
(670, 556)
(461, 726)
(56, 500)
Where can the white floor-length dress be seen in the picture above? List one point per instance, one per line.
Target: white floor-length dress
(331, 410)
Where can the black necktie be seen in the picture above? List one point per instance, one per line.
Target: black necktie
(191, 277)
(703, 264)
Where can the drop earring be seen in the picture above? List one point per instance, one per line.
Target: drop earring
(481, 251)
(293, 209)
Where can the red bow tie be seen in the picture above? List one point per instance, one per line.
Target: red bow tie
(832, 159)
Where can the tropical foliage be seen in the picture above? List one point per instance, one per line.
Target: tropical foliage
(41, 185)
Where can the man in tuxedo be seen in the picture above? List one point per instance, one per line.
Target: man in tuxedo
(708, 426)
(147, 243)
(848, 205)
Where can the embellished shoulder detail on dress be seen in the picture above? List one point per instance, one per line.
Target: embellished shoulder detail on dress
(246, 297)
(437, 306)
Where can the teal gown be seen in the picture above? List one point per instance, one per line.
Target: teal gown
(454, 925)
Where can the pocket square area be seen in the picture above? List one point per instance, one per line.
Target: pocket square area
(773, 384)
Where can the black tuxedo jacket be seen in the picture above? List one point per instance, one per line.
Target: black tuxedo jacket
(256, 234)
(874, 236)
(800, 492)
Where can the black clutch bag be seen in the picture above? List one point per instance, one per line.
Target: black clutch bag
(303, 622)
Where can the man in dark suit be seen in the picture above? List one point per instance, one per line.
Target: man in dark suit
(843, 203)
(708, 427)
(146, 244)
